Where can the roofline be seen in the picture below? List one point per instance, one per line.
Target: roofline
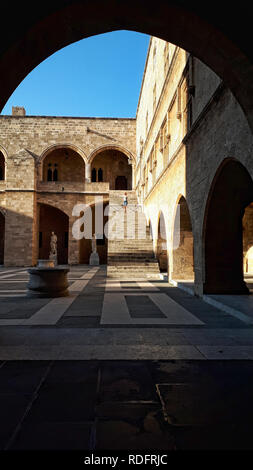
(27, 116)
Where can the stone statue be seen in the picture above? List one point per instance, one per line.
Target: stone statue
(53, 248)
(94, 244)
(94, 258)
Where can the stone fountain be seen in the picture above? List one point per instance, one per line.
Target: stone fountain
(48, 279)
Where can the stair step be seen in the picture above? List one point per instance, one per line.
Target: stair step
(129, 255)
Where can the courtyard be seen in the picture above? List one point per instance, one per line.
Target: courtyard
(121, 364)
(145, 195)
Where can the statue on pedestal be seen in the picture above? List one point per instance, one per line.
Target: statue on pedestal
(53, 248)
(94, 258)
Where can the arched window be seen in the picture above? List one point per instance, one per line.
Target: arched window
(94, 175)
(55, 173)
(2, 167)
(100, 175)
(49, 173)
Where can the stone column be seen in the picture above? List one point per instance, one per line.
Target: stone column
(88, 172)
(73, 251)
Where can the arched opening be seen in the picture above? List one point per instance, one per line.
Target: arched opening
(2, 167)
(182, 243)
(114, 168)
(54, 220)
(230, 194)
(2, 235)
(162, 254)
(63, 164)
(85, 244)
(196, 28)
(247, 225)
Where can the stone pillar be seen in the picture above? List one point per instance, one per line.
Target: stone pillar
(73, 255)
(20, 229)
(88, 172)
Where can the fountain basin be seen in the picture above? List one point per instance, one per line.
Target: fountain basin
(48, 282)
(45, 263)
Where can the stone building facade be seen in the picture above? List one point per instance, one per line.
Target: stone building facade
(187, 156)
(194, 171)
(48, 162)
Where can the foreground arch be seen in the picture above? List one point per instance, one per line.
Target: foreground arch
(221, 40)
(231, 192)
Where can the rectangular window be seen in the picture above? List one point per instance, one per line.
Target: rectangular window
(154, 57)
(154, 98)
(166, 58)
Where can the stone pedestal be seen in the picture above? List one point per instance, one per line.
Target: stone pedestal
(94, 259)
(48, 282)
(53, 258)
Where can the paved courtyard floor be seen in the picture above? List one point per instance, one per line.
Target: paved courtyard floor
(121, 364)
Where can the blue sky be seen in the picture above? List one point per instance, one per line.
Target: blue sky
(99, 76)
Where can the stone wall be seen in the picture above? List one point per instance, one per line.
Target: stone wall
(38, 133)
(206, 127)
(222, 133)
(25, 141)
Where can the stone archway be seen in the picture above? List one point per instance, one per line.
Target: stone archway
(161, 251)
(62, 164)
(54, 220)
(247, 226)
(2, 167)
(230, 194)
(114, 166)
(182, 243)
(197, 28)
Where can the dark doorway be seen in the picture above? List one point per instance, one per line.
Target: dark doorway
(231, 193)
(162, 255)
(2, 232)
(120, 183)
(2, 167)
(53, 220)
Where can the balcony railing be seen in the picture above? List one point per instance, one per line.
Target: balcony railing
(68, 186)
(2, 185)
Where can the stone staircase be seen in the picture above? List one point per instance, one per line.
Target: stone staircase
(130, 247)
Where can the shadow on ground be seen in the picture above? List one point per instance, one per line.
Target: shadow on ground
(144, 405)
